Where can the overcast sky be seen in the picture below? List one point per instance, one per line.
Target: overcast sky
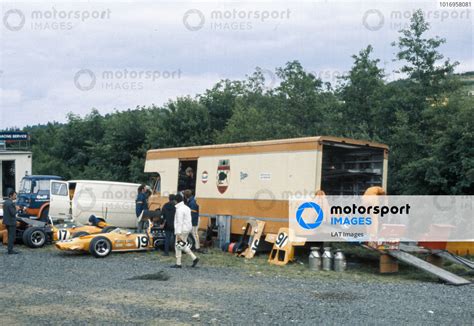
(61, 57)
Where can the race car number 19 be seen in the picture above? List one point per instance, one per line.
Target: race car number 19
(142, 242)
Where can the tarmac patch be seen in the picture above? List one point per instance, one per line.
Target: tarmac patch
(160, 276)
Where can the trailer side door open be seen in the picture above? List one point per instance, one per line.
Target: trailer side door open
(183, 183)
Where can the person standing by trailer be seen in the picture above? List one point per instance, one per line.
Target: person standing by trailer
(141, 204)
(187, 180)
(192, 204)
(182, 228)
(9, 220)
(167, 214)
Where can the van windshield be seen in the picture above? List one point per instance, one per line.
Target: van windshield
(25, 186)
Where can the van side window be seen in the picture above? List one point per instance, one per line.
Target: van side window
(58, 189)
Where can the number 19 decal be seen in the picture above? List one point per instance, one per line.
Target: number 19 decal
(142, 242)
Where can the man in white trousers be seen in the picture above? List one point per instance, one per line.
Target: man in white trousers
(182, 228)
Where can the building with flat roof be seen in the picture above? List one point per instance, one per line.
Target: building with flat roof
(14, 165)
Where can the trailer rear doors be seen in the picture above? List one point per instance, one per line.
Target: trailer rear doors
(350, 169)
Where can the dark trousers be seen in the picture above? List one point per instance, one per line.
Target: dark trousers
(11, 236)
(169, 239)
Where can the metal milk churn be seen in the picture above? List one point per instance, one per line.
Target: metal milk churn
(327, 259)
(340, 263)
(314, 259)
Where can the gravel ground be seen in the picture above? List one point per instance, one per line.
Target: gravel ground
(45, 286)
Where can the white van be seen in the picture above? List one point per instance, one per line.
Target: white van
(79, 199)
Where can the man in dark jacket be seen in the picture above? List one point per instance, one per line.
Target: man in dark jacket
(141, 205)
(167, 212)
(192, 204)
(9, 220)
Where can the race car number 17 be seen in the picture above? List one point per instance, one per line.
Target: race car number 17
(63, 235)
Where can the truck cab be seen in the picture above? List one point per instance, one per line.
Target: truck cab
(34, 196)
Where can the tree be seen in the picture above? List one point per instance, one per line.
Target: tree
(421, 56)
(304, 103)
(422, 119)
(184, 122)
(363, 93)
(219, 102)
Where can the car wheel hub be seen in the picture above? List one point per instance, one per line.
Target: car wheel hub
(102, 247)
(37, 238)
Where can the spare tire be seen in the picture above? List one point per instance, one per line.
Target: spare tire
(34, 237)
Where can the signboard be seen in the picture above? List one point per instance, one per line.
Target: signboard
(13, 135)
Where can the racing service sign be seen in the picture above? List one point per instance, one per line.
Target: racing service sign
(14, 135)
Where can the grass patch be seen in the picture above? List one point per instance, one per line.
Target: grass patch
(362, 266)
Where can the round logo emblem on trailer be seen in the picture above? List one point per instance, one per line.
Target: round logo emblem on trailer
(204, 177)
(317, 210)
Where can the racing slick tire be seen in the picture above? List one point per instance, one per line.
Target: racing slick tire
(107, 229)
(80, 234)
(100, 247)
(34, 237)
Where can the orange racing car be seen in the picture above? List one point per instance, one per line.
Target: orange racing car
(118, 240)
(36, 234)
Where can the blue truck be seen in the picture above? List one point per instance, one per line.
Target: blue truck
(34, 196)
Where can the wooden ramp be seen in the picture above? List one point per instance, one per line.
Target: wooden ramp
(455, 259)
(409, 259)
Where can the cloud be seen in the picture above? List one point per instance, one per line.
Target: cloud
(40, 60)
(10, 96)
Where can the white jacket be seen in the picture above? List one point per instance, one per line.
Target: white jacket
(182, 219)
